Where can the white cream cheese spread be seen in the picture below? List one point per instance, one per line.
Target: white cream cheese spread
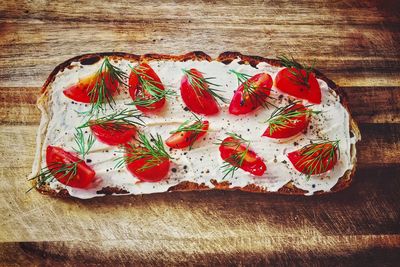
(202, 163)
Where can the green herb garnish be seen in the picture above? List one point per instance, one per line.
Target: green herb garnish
(152, 150)
(149, 92)
(205, 85)
(250, 91)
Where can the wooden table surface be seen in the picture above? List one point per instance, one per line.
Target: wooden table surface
(355, 43)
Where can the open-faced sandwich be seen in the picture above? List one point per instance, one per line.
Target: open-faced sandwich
(117, 123)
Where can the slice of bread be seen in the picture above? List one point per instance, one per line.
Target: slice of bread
(226, 57)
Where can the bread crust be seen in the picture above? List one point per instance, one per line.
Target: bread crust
(226, 58)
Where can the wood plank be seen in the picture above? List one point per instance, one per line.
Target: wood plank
(357, 66)
(365, 35)
(286, 12)
(18, 106)
(380, 144)
(360, 220)
(329, 215)
(374, 104)
(367, 104)
(374, 251)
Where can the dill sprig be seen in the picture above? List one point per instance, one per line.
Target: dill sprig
(151, 149)
(284, 117)
(48, 173)
(205, 84)
(117, 120)
(83, 145)
(194, 126)
(100, 94)
(299, 77)
(235, 161)
(149, 86)
(314, 155)
(250, 92)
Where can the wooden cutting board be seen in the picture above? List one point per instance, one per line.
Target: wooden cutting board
(355, 43)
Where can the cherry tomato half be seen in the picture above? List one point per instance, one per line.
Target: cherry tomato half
(146, 87)
(58, 159)
(195, 94)
(186, 138)
(294, 82)
(114, 134)
(251, 94)
(232, 151)
(291, 126)
(80, 92)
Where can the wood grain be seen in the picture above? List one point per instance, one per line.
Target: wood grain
(199, 214)
(141, 228)
(365, 36)
(50, 253)
(355, 43)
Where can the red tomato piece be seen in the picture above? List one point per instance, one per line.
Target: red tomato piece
(251, 94)
(113, 134)
(294, 82)
(290, 122)
(147, 174)
(57, 159)
(187, 138)
(195, 94)
(231, 150)
(315, 158)
(80, 92)
(146, 88)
